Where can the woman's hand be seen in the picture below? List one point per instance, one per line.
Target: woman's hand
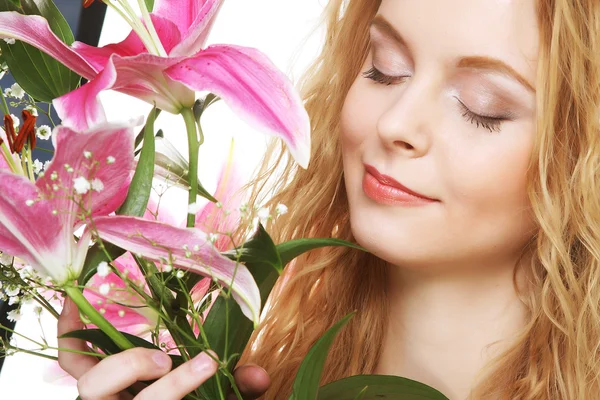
(107, 379)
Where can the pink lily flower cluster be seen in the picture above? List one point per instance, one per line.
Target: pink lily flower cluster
(163, 61)
(168, 70)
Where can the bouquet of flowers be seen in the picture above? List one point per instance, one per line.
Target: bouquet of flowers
(86, 224)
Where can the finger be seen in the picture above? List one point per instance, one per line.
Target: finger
(119, 371)
(74, 364)
(182, 380)
(252, 381)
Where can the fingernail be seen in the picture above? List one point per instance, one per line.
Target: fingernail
(202, 362)
(160, 359)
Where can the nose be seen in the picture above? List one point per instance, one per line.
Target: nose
(404, 126)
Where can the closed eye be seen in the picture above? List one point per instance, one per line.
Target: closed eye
(492, 124)
(376, 75)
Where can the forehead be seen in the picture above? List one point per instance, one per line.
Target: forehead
(450, 29)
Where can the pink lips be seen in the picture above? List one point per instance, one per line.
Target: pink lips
(386, 190)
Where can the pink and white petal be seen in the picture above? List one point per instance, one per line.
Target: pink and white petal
(44, 248)
(225, 218)
(34, 30)
(104, 154)
(251, 85)
(143, 77)
(111, 204)
(159, 211)
(197, 32)
(180, 12)
(167, 31)
(122, 306)
(81, 109)
(185, 248)
(99, 56)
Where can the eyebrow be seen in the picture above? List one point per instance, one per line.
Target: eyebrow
(475, 62)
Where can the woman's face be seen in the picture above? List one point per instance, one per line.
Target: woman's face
(453, 122)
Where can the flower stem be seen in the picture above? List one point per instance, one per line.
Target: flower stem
(129, 16)
(194, 145)
(151, 29)
(97, 319)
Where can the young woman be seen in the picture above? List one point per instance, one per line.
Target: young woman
(459, 142)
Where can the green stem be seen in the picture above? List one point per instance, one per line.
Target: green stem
(194, 145)
(14, 167)
(97, 319)
(4, 105)
(151, 29)
(28, 151)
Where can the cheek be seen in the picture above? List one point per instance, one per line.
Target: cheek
(358, 117)
(488, 188)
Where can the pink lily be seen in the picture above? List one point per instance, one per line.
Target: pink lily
(185, 248)
(85, 178)
(163, 62)
(139, 320)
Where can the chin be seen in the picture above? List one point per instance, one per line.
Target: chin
(392, 242)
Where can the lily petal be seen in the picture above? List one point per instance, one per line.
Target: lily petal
(251, 85)
(143, 77)
(160, 242)
(123, 307)
(81, 109)
(103, 155)
(131, 46)
(45, 249)
(35, 30)
(198, 20)
(213, 218)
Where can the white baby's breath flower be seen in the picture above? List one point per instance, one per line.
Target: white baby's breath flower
(14, 315)
(103, 269)
(97, 185)
(9, 40)
(263, 214)
(16, 121)
(121, 313)
(7, 92)
(168, 268)
(212, 237)
(32, 109)
(281, 209)
(13, 300)
(87, 154)
(44, 132)
(37, 166)
(193, 208)
(110, 160)
(46, 164)
(29, 203)
(104, 289)
(81, 185)
(180, 274)
(17, 91)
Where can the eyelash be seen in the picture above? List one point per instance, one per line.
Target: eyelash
(492, 124)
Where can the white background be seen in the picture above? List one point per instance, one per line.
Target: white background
(279, 28)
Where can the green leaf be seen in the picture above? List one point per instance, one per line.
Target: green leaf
(292, 249)
(94, 257)
(375, 387)
(306, 384)
(39, 74)
(48, 10)
(141, 185)
(265, 261)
